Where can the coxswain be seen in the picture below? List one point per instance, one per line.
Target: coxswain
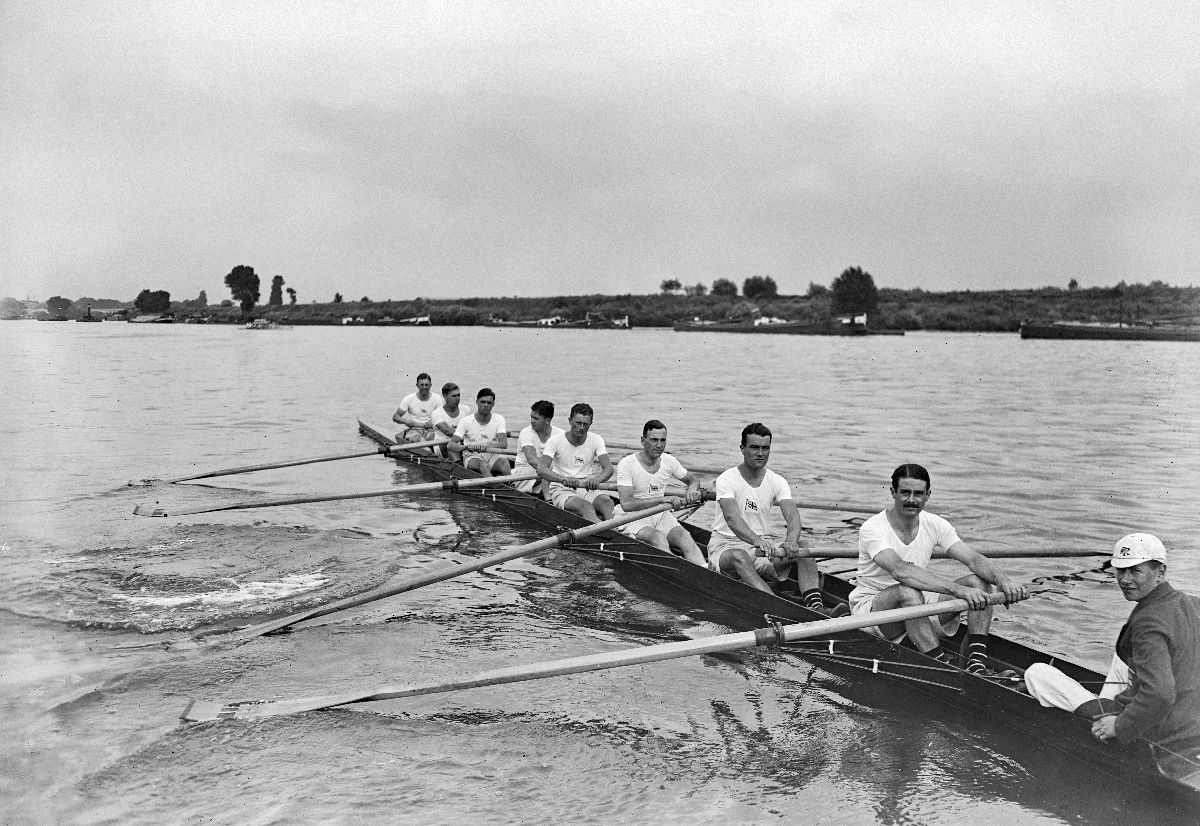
(1153, 687)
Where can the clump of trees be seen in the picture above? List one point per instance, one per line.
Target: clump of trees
(11, 308)
(759, 286)
(243, 286)
(854, 292)
(670, 286)
(148, 302)
(291, 295)
(724, 287)
(276, 297)
(58, 306)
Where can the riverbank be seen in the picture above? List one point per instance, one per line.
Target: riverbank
(916, 309)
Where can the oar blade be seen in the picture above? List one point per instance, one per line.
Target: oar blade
(206, 711)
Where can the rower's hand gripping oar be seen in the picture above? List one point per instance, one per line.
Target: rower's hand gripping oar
(202, 711)
(422, 487)
(386, 450)
(441, 574)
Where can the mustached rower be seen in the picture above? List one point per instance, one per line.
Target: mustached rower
(894, 549)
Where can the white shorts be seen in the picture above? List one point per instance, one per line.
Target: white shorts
(762, 564)
(533, 487)
(944, 625)
(665, 522)
(417, 434)
(559, 494)
(486, 460)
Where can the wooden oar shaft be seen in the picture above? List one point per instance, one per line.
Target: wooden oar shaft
(452, 484)
(995, 553)
(273, 465)
(386, 450)
(202, 711)
(443, 573)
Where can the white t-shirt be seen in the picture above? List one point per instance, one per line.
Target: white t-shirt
(877, 534)
(472, 432)
(440, 416)
(422, 409)
(647, 485)
(569, 460)
(754, 504)
(529, 438)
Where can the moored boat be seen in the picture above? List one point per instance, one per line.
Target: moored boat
(1113, 332)
(857, 653)
(265, 324)
(590, 321)
(844, 326)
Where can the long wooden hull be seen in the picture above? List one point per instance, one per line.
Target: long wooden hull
(1111, 333)
(819, 328)
(692, 587)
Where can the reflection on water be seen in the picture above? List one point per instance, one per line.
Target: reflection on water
(1031, 444)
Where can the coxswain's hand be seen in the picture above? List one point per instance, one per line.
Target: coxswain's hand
(1105, 728)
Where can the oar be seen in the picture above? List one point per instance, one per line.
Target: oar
(995, 553)
(451, 484)
(202, 711)
(387, 450)
(443, 573)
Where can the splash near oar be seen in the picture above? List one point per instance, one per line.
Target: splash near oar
(453, 484)
(201, 711)
(441, 574)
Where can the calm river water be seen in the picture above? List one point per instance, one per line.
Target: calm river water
(1030, 444)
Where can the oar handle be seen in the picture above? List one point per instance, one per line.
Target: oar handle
(996, 553)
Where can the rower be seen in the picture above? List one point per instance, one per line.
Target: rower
(531, 441)
(744, 543)
(1153, 686)
(575, 462)
(415, 413)
(642, 480)
(894, 548)
(446, 418)
(477, 437)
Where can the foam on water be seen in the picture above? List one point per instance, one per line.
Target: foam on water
(238, 594)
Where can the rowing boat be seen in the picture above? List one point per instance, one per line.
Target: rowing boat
(996, 699)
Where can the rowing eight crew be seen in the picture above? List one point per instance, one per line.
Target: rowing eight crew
(1153, 689)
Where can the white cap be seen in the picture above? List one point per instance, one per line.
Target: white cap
(1137, 548)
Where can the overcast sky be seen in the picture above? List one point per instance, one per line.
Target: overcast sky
(396, 149)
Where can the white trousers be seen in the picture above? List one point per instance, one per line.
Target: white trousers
(1051, 687)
